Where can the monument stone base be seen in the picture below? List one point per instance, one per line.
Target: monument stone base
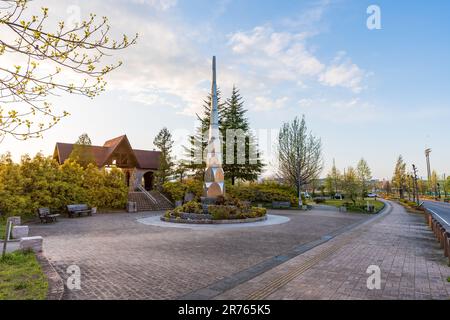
(207, 201)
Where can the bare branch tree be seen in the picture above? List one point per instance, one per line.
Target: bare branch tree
(25, 111)
(299, 155)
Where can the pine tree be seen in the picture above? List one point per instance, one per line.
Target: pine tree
(242, 164)
(163, 141)
(198, 142)
(84, 140)
(82, 152)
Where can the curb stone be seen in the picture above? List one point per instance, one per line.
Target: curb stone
(55, 282)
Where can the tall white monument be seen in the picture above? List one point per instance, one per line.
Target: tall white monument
(214, 177)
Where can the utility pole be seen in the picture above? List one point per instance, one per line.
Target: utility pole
(335, 178)
(414, 189)
(427, 155)
(415, 185)
(445, 187)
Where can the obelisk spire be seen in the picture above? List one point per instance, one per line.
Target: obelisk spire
(214, 176)
(214, 118)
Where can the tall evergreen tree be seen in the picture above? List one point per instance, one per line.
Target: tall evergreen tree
(82, 152)
(163, 141)
(198, 142)
(244, 163)
(84, 140)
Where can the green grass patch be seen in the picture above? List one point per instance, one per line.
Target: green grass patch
(378, 205)
(448, 279)
(21, 277)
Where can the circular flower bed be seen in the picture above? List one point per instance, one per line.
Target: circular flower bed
(225, 210)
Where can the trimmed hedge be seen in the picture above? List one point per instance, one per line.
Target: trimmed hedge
(263, 192)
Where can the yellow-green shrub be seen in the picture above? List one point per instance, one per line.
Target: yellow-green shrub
(176, 190)
(42, 182)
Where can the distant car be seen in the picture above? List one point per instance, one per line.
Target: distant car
(372, 195)
(338, 196)
(306, 195)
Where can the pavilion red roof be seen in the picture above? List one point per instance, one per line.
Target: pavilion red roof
(146, 159)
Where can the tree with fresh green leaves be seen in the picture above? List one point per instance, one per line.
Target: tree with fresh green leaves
(333, 180)
(163, 141)
(399, 178)
(13, 200)
(180, 170)
(386, 186)
(65, 59)
(434, 182)
(364, 176)
(422, 185)
(351, 184)
(241, 157)
(328, 185)
(299, 155)
(446, 186)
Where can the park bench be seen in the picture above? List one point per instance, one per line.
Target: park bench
(45, 216)
(281, 204)
(78, 209)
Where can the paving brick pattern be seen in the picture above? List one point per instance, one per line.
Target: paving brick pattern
(411, 262)
(120, 258)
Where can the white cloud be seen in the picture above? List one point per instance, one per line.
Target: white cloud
(344, 110)
(343, 74)
(277, 55)
(158, 4)
(262, 103)
(151, 99)
(305, 102)
(168, 65)
(284, 56)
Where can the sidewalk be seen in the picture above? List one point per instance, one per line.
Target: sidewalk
(412, 265)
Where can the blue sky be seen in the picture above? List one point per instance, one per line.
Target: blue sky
(367, 93)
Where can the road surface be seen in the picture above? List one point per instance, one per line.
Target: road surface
(441, 211)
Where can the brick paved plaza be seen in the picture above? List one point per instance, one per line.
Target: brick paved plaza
(412, 265)
(121, 258)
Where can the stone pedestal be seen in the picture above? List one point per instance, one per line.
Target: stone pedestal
(33, 243)
(207, 201)
(16, 221)
(19, 232)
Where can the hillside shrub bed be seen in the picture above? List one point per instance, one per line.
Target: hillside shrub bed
(41, 182)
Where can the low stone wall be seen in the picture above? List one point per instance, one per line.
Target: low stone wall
(196, 216)
(210, 221)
